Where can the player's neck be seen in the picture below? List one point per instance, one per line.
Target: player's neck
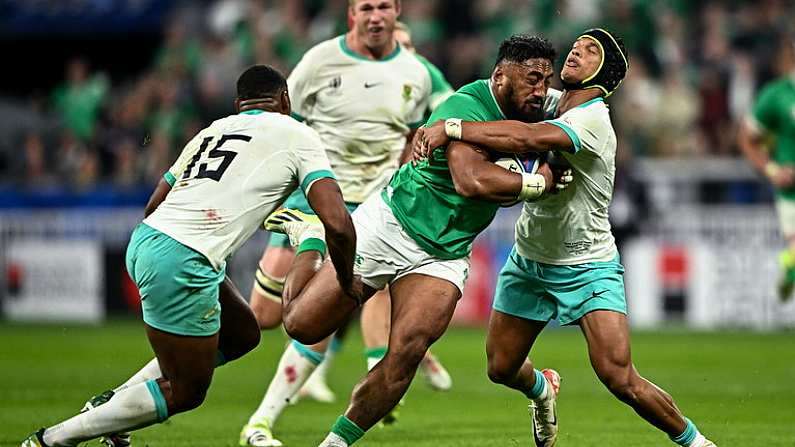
(358, 46)
(573, 98)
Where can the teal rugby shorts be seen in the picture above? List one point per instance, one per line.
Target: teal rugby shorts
(297, 201)
(178, 285)
(542, 292)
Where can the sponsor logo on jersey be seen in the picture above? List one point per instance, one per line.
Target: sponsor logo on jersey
(371, 84)
(406, 92)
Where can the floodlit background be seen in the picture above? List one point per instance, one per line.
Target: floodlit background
(98, 97)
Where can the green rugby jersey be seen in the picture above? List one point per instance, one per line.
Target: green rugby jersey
(423, 197)
(774, 113)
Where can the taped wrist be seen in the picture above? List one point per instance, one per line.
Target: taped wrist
(533, 185)
(453, 129)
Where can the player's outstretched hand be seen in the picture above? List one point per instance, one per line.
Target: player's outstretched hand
(428, 138)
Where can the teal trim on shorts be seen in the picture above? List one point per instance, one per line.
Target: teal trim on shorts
(315, 175)
(575, 140)
(297, 201)
(542, 292)
(169, 178)
(161, 408)
(315, 357)
(178, 285)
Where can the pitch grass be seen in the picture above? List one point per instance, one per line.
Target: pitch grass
(738, 387)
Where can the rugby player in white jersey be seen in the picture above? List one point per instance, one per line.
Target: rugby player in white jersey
(565, 263)
(227, 179)
(364, 94)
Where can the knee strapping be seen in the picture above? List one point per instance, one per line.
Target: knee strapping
(268, 286)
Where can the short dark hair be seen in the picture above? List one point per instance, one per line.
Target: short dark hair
(521, 47)
(260, 81)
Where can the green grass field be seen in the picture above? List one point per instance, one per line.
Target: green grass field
(738, 387)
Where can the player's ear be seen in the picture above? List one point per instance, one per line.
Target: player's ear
(398, 7)
(498, 77)
(285, 102)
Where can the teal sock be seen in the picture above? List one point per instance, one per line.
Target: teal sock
(161, 408)
(335, 345)
(312, 356)
(347, 430)
(688, 435)
(539, 386)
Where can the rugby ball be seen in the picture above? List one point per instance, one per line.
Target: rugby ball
(518, 164)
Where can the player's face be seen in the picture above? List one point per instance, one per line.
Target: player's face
(582, 62)
(404, 39)
(524, 88)
(374, 21)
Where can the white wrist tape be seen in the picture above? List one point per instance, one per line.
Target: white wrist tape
(452, 127)
(772, 169)
(533, 185)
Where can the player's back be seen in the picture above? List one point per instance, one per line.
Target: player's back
(231, 175)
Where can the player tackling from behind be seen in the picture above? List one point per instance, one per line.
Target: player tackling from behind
(565, 264)
(227, 179)
(774, 116)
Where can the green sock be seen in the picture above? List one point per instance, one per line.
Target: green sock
(374, 355)
(347, 430)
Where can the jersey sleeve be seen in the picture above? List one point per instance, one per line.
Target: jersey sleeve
(764, 115)
(585, 129)
(416, 117)
(299, 86)
(459, 105)
(440, 88)
(311, 162)
(178, 168)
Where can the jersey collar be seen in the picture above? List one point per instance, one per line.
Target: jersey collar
(252, 112)
(346, 49)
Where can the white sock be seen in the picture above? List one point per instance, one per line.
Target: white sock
(150, 371)
(333, 440)
(294, 368)
(135, 407)
(698, 441)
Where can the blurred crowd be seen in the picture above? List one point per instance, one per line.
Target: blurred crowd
(695, 69)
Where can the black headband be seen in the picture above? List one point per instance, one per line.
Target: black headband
(612, 69)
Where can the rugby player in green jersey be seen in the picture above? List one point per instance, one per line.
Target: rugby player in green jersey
(417, 234)
(774, 116)
(565, 263)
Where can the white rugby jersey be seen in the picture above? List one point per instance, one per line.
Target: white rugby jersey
(361, 108)
(232, 175)
(572, 227)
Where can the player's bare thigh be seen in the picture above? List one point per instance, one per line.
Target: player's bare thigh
(275, 263)
(375, 320)
(319, 308)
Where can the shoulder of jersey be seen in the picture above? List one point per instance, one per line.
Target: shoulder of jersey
(324, 49)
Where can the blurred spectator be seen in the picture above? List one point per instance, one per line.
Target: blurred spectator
(695, 67)
(80, 99)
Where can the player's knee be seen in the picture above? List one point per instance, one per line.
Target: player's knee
(408, 349)
(500, 372)
(187, 397)
(267, 316)
(622, 382)
(299, 330)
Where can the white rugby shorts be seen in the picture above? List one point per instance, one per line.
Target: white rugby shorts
(386, 253)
